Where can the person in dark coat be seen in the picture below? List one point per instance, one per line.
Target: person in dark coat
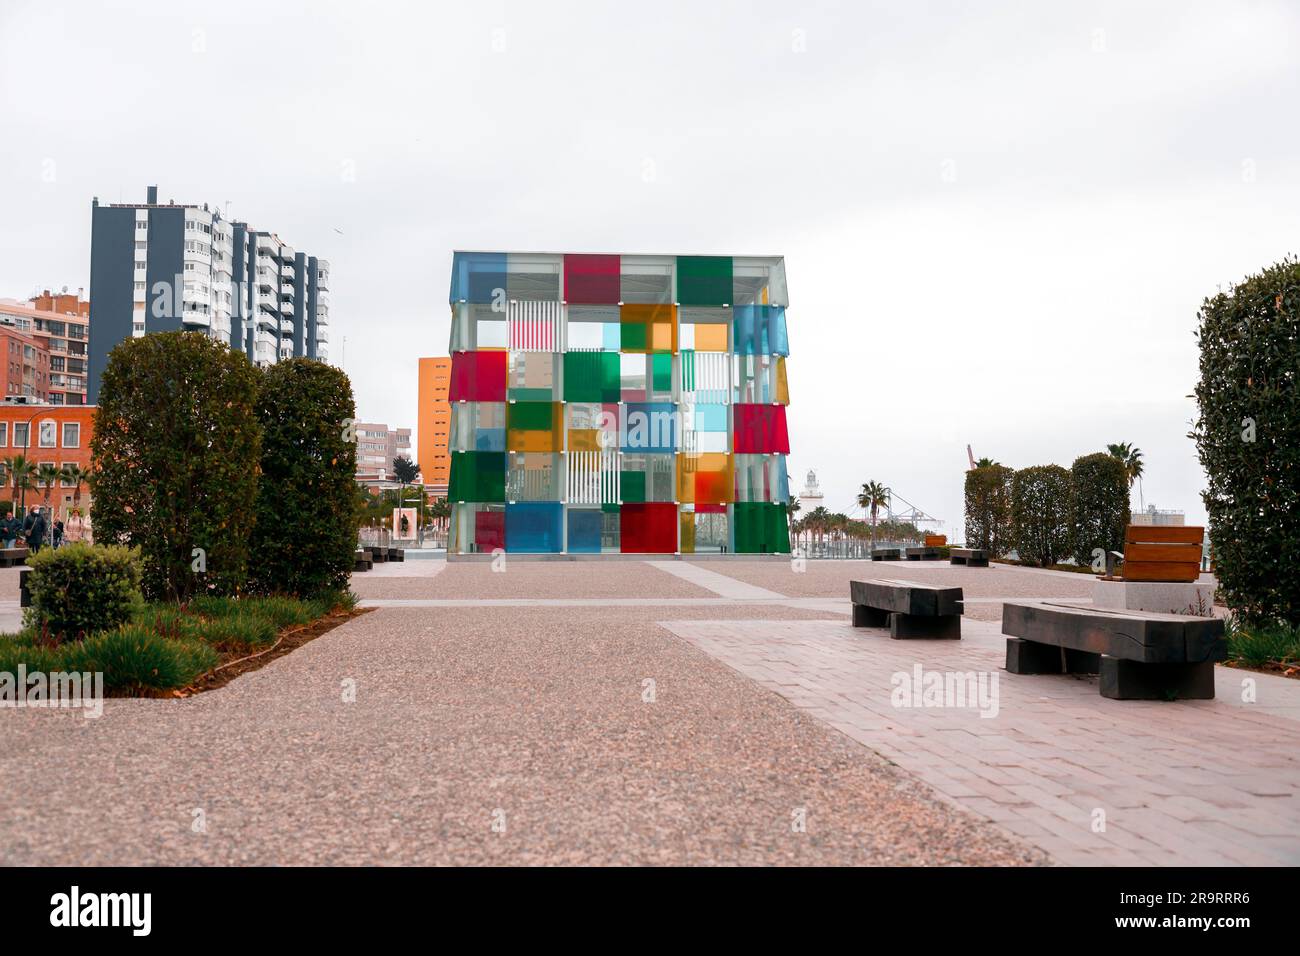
(58, 533)
(36, 534)
(9, 529)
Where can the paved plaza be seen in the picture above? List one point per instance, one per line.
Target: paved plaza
(655, 712)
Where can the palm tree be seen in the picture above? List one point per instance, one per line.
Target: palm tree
(816, 521)
(46, 476)
(986, 463)
(74, 475)
(21, 470)
(1132, 460)
(873, 497)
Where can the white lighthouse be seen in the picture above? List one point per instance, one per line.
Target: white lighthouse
(811, 498)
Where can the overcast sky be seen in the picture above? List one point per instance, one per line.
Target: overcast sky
(998, 220)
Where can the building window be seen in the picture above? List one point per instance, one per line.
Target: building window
(71, 434)
(47, 434)
(4, 434)
(20, 434)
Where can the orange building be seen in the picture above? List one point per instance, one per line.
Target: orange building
(48, 435)
(60, 322)
(434, 424)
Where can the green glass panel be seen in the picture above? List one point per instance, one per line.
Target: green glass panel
(530, 394)
(632, 486)
(531, 416)
(704, 280)
(634, 336)
(609, 508)
(761, 528)
(661, 372)
(591, 377)
(477, 476)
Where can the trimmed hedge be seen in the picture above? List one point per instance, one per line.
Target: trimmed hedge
(1248, 439)
(1100, 505)
(988, 509)
(305, 533)
(176, 448)
(81, 588)
(1040, 511)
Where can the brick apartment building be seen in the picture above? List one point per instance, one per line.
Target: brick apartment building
(58, 329)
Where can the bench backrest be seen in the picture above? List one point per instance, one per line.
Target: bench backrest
(1162, 553)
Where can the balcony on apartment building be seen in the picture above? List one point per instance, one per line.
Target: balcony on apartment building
(322, 334)
(286, 326)
(287, 274)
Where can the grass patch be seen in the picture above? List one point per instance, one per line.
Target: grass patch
(167, 647)
(1263, 646)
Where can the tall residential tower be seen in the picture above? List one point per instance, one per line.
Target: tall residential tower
(158, 267)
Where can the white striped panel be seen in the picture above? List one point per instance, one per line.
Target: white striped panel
(593, 478)
(712, 374)
(535, 326)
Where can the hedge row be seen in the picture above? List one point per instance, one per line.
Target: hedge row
(1047, 514)
(226, 478)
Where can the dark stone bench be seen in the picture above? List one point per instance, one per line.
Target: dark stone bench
(923, 554)
(361, 561)
(971, 557)
(396, 554)
(907, 608)
(13, 557)
(378, 554)
(24, 590)
(1138, 655)
(885, 554)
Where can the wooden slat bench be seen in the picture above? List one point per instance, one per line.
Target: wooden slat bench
(923, 554)
(970, 557)
(12, 557)
(378, 554)
(907, 608)
(396, 554)
(885, 554)
(361, 561)
(1167, 553)
(1139, 655)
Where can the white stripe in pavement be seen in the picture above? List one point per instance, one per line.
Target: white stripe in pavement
(719, 584)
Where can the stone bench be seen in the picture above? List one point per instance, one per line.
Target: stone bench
(12, 557)
(378, 554)
(361, 561)
(923, 554)
(970, 557)
(907, 608)
(885, 554)
(1138, 655)
(396, 554)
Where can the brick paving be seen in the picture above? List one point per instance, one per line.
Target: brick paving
(1189, 782)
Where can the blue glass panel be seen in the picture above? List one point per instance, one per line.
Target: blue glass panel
(649, 426)
(476, 276)
(760, 330)
(710, 418)
(584, 531)
(490, 439)
(533, 526)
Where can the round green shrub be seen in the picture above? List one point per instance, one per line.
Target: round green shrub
(81, 588)
(1248, 438)
(305, 533)
(988, 509)
(176, 448)
(1040, 513)
(1100, 505)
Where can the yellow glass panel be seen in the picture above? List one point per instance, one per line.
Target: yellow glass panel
(518, 439)
(687, 536)
(584, 439)
(782, 386)
(711, 337)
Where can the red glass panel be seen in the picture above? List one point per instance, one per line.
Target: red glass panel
(649, 528)
(760, 430)
(591, 280)
(477, 377)
(490, 530)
